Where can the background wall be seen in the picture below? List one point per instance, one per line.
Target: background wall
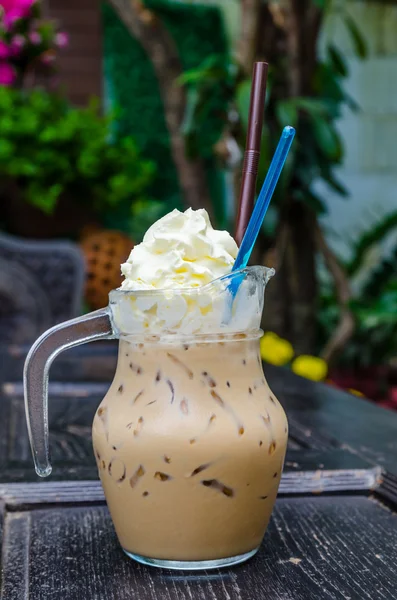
(80, 64)
(370, 168)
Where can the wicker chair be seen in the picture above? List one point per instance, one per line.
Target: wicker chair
(41, 284)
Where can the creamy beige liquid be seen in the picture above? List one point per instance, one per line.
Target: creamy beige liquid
(190, 444)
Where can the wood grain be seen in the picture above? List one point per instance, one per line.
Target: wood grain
(58, 540)
(67, 489)
(356, 423)
(316, 548)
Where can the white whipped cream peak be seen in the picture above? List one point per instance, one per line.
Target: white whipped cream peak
(180, 250)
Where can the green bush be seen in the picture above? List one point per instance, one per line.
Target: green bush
(374, 298)
(49, 148)
(198, 32)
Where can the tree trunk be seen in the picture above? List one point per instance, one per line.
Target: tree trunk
(345, 328)
(293, 293)
(147, 28)
(248, 41)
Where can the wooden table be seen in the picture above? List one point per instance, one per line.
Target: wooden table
(333, 534)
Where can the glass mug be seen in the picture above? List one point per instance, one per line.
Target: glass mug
(189, 440)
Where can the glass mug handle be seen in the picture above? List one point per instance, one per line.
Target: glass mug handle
(88, 328)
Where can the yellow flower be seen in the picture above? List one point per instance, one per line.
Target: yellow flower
(311, 367)
(356, 393)
(276, 350)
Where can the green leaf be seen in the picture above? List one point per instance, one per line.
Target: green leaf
(6, 150)
(190, 123)
(286, 112)
(48, 146)
(144, 213)
(193, 76)
(23, 167)
(44, 198)
(189, 120)
(313, 106)
(373, 235)
(357, 38)
(326, 83)
(312, 200)
(351, 103)
(243, 95)
(47, 32)
(335, 184)
(214, 66)
(337, 60)
(326, 137)
(265, 154)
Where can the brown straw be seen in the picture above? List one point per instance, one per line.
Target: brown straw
(252, 149)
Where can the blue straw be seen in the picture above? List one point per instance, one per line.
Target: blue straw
(263, 201)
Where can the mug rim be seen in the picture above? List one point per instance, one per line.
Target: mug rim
(257, 271)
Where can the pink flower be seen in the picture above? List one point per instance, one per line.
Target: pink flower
(61, 39)
(17, 43)
(14, 10)
(4, 50)
(22, 5)
(35, 38)
(7, 74)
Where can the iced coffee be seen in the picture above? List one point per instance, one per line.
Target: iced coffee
(189, 440)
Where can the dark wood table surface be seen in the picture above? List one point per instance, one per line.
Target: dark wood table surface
(333, 533)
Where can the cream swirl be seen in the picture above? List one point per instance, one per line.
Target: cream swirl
(181, 250)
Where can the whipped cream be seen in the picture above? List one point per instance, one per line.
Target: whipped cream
(172, 282)
(208, 310)
(181, 250)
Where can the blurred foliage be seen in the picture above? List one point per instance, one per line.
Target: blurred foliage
(198, 31)
(318, 147)
(374, 300)
(144, 214)
(368, 239)
(49, 148)
(204, 84)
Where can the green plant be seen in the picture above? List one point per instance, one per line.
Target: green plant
(318, 147)
(154, 42)
(313, 106)
(49, 148)
(305, 89)
(212, 82)
(373, 303)
(146, 212)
